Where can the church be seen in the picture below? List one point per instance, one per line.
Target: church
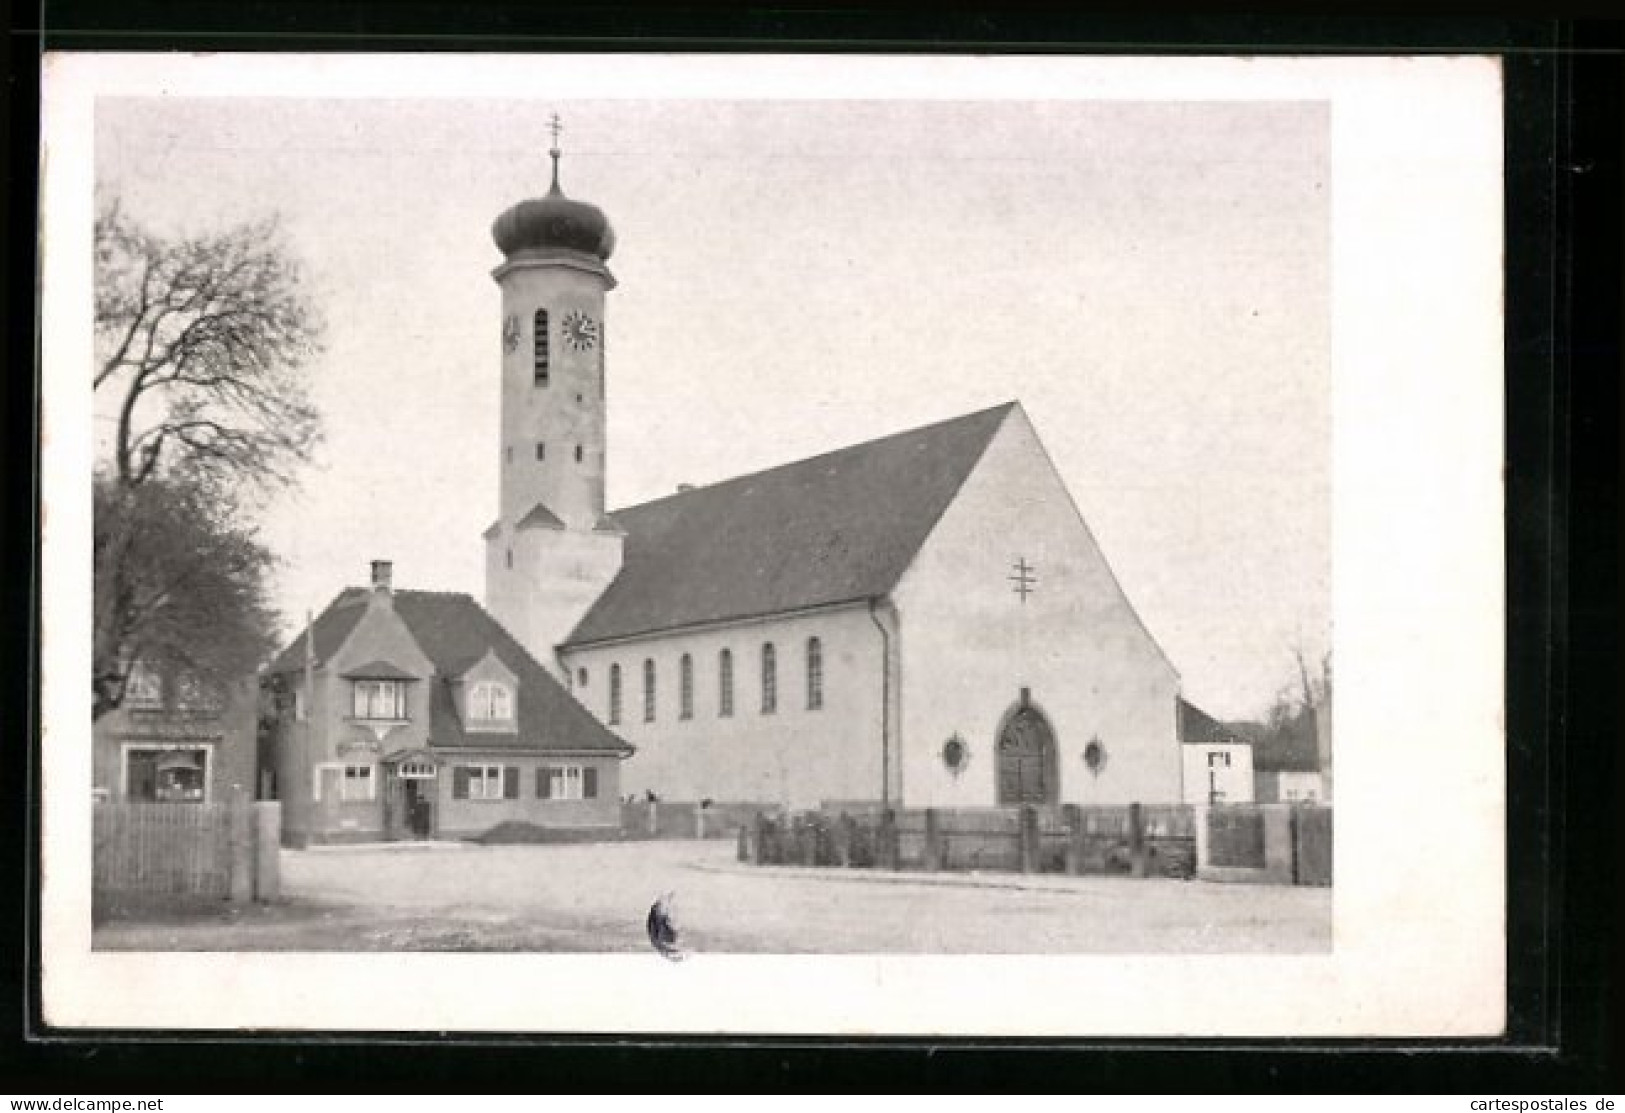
(920, 620)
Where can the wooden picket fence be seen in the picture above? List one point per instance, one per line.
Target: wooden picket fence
(178, 848)
(1132, 840)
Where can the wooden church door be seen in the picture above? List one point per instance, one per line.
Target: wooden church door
(1026, 760)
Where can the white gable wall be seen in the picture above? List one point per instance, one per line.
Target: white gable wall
(968, 644)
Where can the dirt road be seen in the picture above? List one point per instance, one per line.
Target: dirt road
(596, 897)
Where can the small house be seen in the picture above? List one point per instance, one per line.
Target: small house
(415, 715)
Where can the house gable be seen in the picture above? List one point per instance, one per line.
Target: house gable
(380, 643)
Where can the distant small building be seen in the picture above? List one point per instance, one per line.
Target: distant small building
(175, 739)
(1286, 763)
(1218, 763)
(414, 714)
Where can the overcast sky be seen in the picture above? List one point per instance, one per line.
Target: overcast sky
(1150, 280)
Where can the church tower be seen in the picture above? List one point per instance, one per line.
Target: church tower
(552, 550)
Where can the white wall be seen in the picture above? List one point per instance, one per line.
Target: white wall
(969, 645)
(1223, 768)
(1296, 787)
(556, 576)
(795, 756)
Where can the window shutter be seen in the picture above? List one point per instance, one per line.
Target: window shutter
(459, 783)
(543, 786)
(510, 782)
(589, 782)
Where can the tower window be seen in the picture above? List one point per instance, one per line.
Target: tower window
(725, 683)
(507, 454)
(648, 690)
(541, 451)
(815, 674)
(614, 694)
(578, 454)
(686, 685)
(510, 558)
(542, 363)
(581, 676)
(770, 680)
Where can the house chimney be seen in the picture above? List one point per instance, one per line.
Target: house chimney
(381, 573)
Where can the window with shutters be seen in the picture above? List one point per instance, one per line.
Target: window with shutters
(566, 782)
(770, 680)
(815, 674)
(484, 782)
(725, 683)
(686, 687)
(614, 694)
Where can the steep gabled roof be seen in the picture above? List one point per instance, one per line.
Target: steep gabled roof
(329, 631)
(456, 633)
(1197, 727)
(540, 517)
(835, 528)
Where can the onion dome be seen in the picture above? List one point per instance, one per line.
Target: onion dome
(554, 223)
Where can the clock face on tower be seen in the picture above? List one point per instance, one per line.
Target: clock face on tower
(580, 331)
(510, 332)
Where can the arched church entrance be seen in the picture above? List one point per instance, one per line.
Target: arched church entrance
(1025, 750)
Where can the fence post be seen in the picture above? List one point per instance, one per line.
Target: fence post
(843, 840)
(807, 842)
(699, 820)
(267, 841)
(758, 849)
(240, 839)
(1029, 839)
(1292, 837)
(886, 852)
(654, 819)
(744, 842)
(1136, 839)
(1073, 816)
(934, 856)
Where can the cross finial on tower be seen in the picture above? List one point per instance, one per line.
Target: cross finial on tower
(555, 127)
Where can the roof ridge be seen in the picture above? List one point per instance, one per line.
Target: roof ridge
(930, 427)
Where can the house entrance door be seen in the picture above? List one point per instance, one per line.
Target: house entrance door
(1026, 759)
(419, 808)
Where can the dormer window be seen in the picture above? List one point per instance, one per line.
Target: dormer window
(490, 702)
(143, 689)
(192, 694)
(380, 700)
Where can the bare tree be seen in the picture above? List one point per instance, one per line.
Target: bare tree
(201, 347)
(202, 344)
